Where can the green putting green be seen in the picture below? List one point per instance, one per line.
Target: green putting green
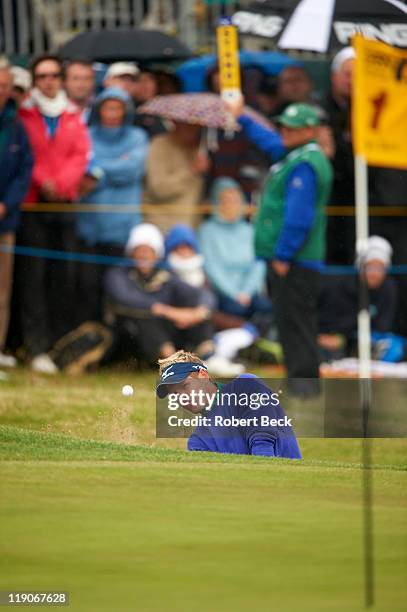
(93, 504)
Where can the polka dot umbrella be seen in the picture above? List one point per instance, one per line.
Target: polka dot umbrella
(205, 109)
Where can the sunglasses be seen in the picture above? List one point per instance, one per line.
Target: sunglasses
(48, 75)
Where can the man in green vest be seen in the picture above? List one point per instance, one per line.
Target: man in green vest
(290, 234)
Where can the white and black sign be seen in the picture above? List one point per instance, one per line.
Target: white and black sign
(330, 24)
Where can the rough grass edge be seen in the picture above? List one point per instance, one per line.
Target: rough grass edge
(18, 444)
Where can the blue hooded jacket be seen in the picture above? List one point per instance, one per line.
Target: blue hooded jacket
(228, 250)
(119, 155)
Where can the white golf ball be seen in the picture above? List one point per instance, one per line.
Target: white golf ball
(127, 390)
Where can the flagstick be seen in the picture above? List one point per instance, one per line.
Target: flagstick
(364, 349)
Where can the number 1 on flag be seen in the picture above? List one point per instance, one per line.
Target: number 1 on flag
(228, 59)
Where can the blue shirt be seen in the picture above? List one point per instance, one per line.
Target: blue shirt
(251, 439)
(266, 139)
(52, 124)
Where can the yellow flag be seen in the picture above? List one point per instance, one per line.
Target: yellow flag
(228, 59)
(379, 103)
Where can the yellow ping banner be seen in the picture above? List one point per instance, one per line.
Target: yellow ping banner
(228, 60)
(379, 103)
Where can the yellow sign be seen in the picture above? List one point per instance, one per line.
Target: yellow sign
(228, 59)
(379, 103)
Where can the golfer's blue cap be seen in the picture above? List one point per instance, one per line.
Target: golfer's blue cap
(175, 373)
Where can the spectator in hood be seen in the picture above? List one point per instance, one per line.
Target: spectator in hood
(119, 154)
(184, 258)
(156, 310)
(60, 145)
(227, 244)
(16, 165)
(141, 86)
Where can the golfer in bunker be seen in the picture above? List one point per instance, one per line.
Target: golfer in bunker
(241, 417)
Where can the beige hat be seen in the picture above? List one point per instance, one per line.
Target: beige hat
(21, 78)
(119, 69)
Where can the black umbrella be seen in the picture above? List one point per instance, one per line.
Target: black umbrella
(324, 25)
(126, 45)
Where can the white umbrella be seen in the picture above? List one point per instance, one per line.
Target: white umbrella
(310, 26)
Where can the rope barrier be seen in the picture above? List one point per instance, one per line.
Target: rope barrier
(205, 208)
(105, 260)
(78, 208)
(110, 260)
(374, 211)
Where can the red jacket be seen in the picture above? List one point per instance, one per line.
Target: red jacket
(63, 158)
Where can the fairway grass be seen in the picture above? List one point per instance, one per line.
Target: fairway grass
(92, 503)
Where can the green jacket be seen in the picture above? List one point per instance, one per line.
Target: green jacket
(270, 216)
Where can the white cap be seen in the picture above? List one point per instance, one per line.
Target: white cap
(21, 78)
(380, 249)
(341, 57)
(119, 69)
(146, 234)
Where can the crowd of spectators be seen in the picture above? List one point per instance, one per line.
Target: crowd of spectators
(195, 281)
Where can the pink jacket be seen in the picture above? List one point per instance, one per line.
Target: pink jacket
(62, 158)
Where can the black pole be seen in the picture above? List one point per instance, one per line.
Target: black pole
(368, 521)
(367, 471)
